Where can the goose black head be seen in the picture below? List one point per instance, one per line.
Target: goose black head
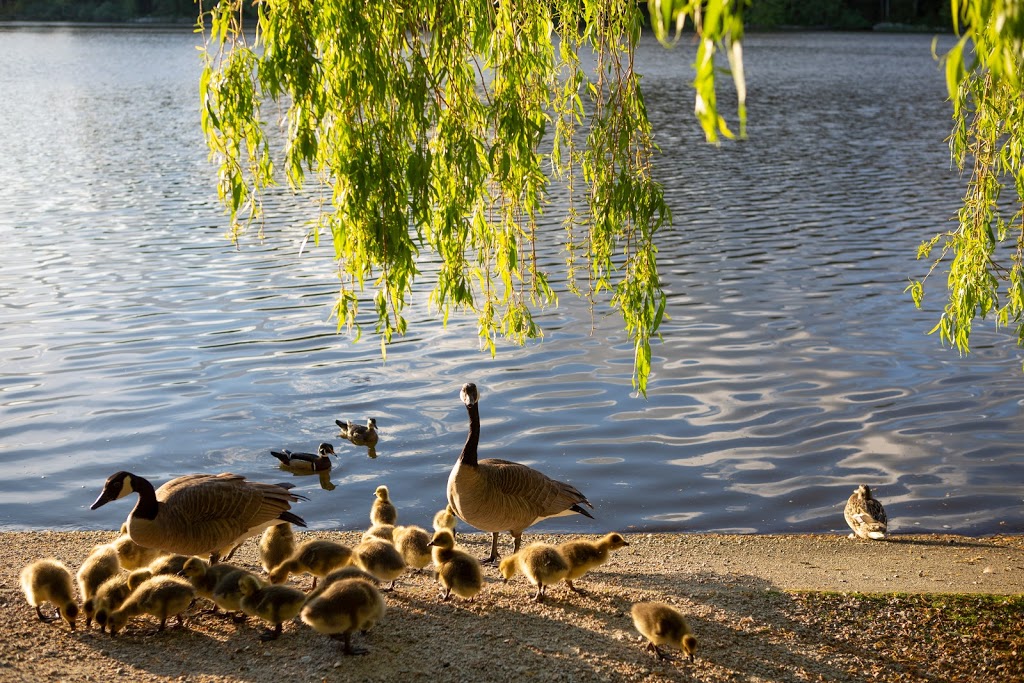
(469, 394)
(118, 485)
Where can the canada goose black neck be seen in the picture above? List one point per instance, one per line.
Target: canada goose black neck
(146, 507)
(469, 451)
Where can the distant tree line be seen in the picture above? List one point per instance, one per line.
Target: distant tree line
(765, 14)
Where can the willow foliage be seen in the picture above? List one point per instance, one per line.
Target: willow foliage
(439, 126)
(984, 253)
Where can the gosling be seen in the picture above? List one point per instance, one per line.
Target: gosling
(274, 603)
(316, 557)
(457, 571)
(48, 580)
(163, 596)
(227, 594)
(131, 555)
(541, 563)
(204, 577)
(413, 543)
(445, 519)
(661, 624)
(343, 607)
(277, 544)
(583, 556)
(381, 559)
(101, 564)
(383, 511)
(110, 596)
(385, 532)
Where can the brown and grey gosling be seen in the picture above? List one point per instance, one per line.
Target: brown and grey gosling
(317, 557)
(110, 596)
(204, 577)
(130, 554)
(413, 543)
(541, 563)
(172, 563)
(306, 462)
(48, 580)
(385, 532)
(360, 435)
(662, 624)
(200, 514)
(383, 511)
(228, 593)
(344, 606)
(277, 544)
(865, 515)
(100, 565)
(163, 596)
(457, 571)
(275, 604)
(349, 572)
(583, 556)
(381, 559)
(497, 495)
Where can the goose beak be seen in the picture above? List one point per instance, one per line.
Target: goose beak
(104, 498)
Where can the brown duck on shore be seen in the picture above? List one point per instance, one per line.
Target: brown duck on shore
(865, 515)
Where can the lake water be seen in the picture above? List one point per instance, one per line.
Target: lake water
(134, 336)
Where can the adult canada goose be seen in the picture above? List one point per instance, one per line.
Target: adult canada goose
(541, 563)
(457, 571)
(379, 558)
(277, 544)
(318, 557)
(200, 513)
(48, 580)
(204, 577)
(110, 596)
(383, 511)
(274, 604)
(865, 515)
(101, 564)
(342, 607)
(661, 624)
(497, 495)
(582, 556)
(130, 554)
(162, 596)
(413, 543)
(360, 435)
(228, 593)
(306, 462)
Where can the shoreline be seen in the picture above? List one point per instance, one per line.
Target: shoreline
(745, 596)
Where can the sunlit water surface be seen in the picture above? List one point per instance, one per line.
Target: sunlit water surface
(794, 367)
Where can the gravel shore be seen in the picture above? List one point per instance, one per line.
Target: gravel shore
(941, 608)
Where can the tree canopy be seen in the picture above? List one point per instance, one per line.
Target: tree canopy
(440, 128)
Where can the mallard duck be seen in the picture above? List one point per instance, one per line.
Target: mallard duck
(277, 544)
(306, 462)
(457, 571)
(162, 596)
(413, 543)
(582, 556)
(100, 565)
(497, 495)
(661, 624)
(200, 513)
(865, 515)
(318, 557)
(130, 554)
(274, 604)
(541, 563)
(379, 558)
(343, 607)
(360, 435)
(383, 510)
(48, 580)
(109, 597)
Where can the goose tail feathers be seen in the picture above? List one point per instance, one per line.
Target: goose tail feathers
(577, 508)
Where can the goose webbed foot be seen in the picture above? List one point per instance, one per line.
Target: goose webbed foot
(47, 618)
(271, 633)
(346, 638)
(651, 647)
